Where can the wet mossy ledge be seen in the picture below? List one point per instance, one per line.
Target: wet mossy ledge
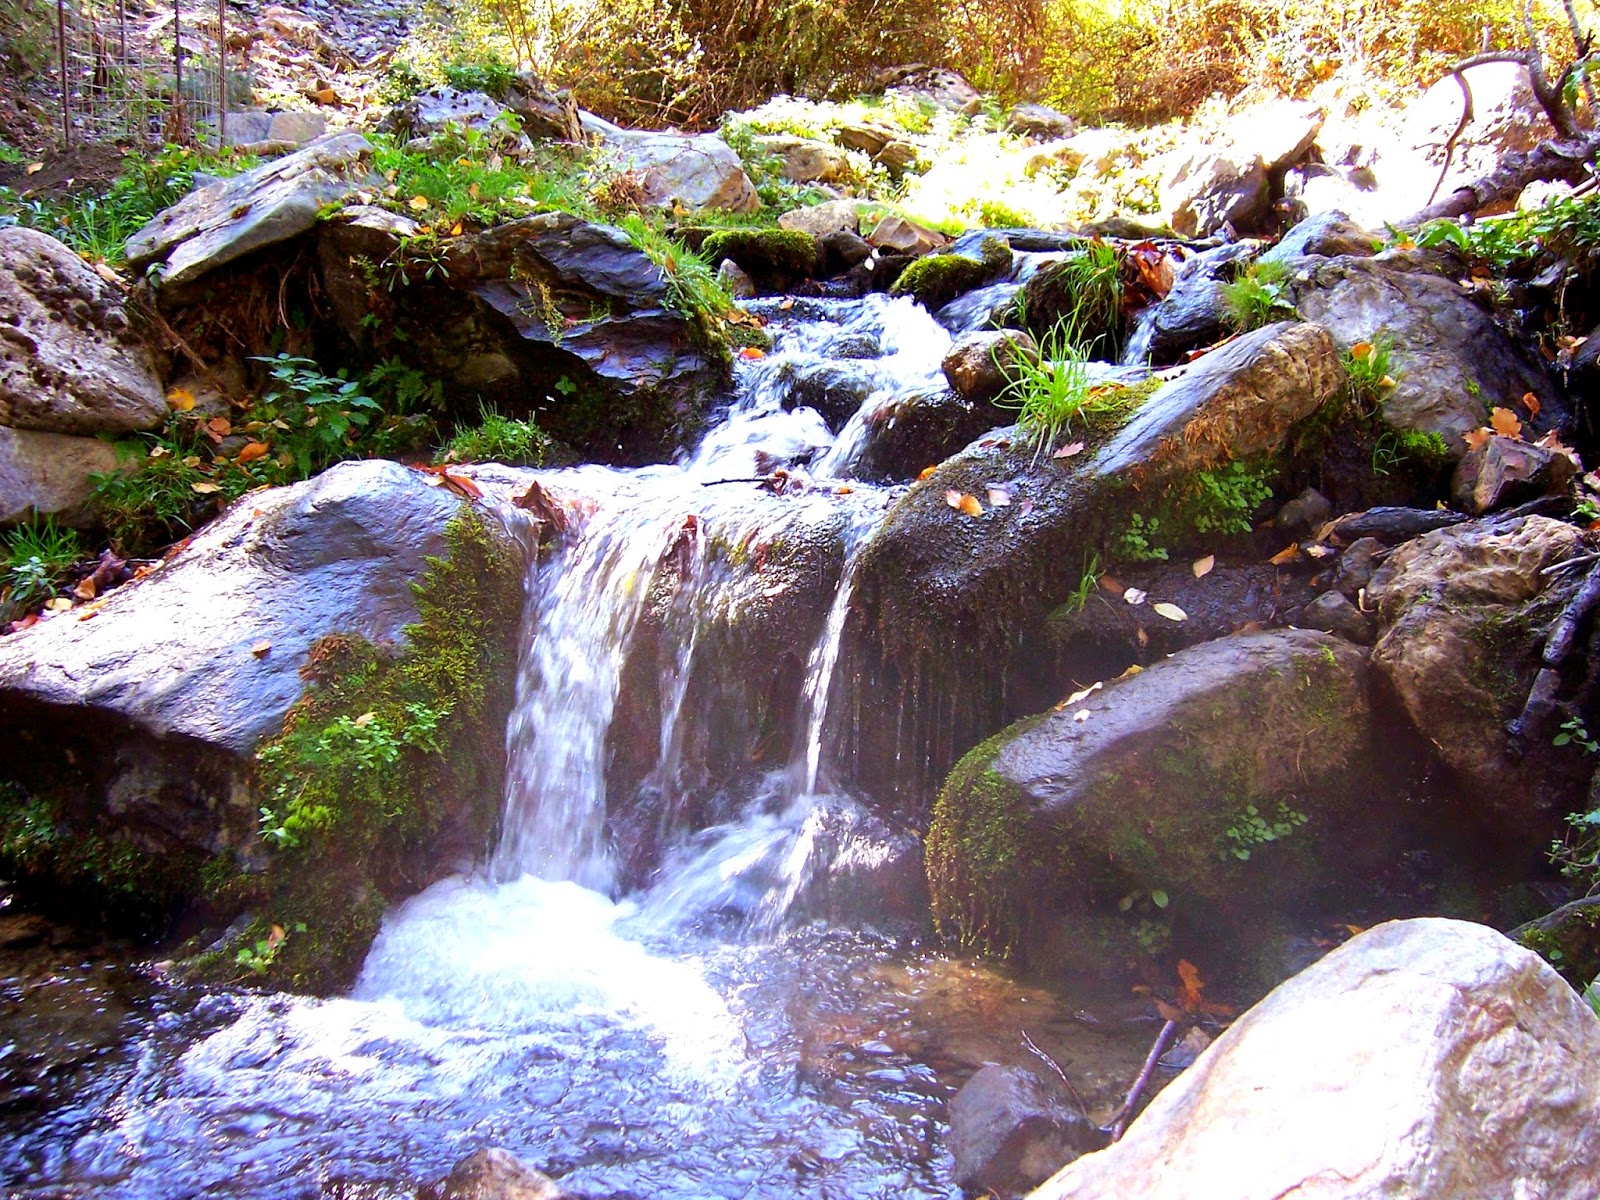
(388, 764)
(386, 772)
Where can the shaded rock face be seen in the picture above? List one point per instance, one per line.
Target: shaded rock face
(1222, 781)
(261, 207)
(50, 474)
(70, 359)
(909, 433)
(1193, 313)
(1428, 1058)
(1465, 612)
(1451, 362)
(1505, 471)
(1008, 1134)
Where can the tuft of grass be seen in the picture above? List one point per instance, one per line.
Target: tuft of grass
(1084, 289)
(1049, 393)
(692, 286)
(38, 557)
(1369, 369)
(1258, 297)
(499, 439)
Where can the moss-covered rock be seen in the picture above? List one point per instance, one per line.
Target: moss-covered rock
(936, 279)
(1568, 939)
(773, 257)
(1203, 805)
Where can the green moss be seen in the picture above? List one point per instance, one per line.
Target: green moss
(759, 251)
(936, 279)
(132, 889)
(384, 755)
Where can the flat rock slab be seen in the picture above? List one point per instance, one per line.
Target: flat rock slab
(70, 360)
(699, 171)
(269, 204)
(1430, 1059)
(176, 652)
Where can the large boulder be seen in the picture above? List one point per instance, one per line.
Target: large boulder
(51, 474)
(443, 108)
(261, 207)
(981, 364)
(1226, 180)
(1208, 804)
(679, 170)
(70, 359)
(1429, 1059)
(805, 160)
(1451, 362)
(1465, 611)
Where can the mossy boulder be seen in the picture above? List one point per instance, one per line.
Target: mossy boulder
(1202, 806)
(936, 279)
(773, 258)
(1465, 612)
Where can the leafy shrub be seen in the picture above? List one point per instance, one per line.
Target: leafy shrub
(1224, 501)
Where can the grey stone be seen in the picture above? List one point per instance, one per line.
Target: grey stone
(735, 281)
(1429, 1058)
(1502, 471)
(1039, 121)
(1451, 362)
(48, 474)
(1356, 566)
(1309, 510)
(70, 359)
(819, 220)
(978, 365)
(543, 113)
(266, 205)
(696, 172)
(296, 128)
(1008, 1134)
(1333, 613)
(898, 156)
(897, 235)
(840, 250)
(441, 108)
(1212, 188)
(805, 160)
(869, 139)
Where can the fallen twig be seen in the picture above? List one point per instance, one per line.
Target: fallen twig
(1119, 1123)
(1033, 1048)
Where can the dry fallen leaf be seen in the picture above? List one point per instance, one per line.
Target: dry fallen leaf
(1285, 556)
(1110, 585)
(220, 426)
(1317, 550)
(786, 304)
(1082, 694)
(1069, 450)
(1134, 596)
(1133, 670)
(1504, 422)
(970, 506)
(1360, 350)
(1202, 566)
(1170, 611)
(1476, 438)
(999, 497)
(251, 451)
(180, 399)
(35, 168)
(261, 649)
(86, 589)
(1531, 403)
(417, 203)
(204, 488)
(1081, 715)
(366, 719)
(926, 472)
(751, 353)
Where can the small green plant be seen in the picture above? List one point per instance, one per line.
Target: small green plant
(692, 286)
(1138, 542)
(1087, 582)
(1369, 369)
(258, 955)
(1049, 393)
(1397, 449)
(1224, 501)
(38, 557)
(1251, 830)
(316, 416)
(1258, 297)
(500, 439)
(1574, 733)
(158, 492)
(490, 76)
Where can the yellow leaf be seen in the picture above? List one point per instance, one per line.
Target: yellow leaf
(366, 719)
(455, 230)
(180, 399)
(205, 489)
(1504, 422)
(1135, 669)
(1083, 694)
(1202, 566)
(417, 203)
(1360, 350)
(251, 451)
(1170, 611)
(926, 472)
(1476, 437)
(35, 168)
(970, 506)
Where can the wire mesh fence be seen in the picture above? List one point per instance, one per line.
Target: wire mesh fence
(145, 74)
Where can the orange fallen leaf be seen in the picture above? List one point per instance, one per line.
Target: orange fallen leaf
(180, 399)
(220, 426)
(1476, 438)
(752, 353)
(261, 649)
(926, 472)
(966, 504)
(251, 451)
(1285, 556)
(1531, 403)
(1360, 350)
(1504, 422)
(86, 589)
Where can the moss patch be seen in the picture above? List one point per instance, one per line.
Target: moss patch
(936, 279)
(763, 251)
(385, 759)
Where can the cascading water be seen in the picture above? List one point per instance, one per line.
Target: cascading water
(634, 1043)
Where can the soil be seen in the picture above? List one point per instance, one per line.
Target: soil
(81, 167)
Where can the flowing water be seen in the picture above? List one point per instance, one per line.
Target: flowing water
(696, 1031)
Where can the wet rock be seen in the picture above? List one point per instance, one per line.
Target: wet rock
(497, 1174)
(287, 566)
(1327, 235)
(819, 220)
(1504, 471)
(834, 388)
(979, 365)
(840, 250)
(266, 205)
(1451, 1062)
(70, 359)
(911, 432)
(1451, 362)
(1153, 786)
(1391, 526)
(805, 160)
(1008, 1134)
(1332, 612)
(1039, 121)
(1568, 939)
(936, 279)
(896, 235)
(1193, 313)
(1309, 510)
(775, 258)
(1236, 401)
(1356, 566)
(50, 474)
(696, 171)
(1465, 612)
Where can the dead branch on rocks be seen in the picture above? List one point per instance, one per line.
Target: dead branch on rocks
(1542, 696)
(1119, 1122)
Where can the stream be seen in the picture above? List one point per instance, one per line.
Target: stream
(694, 1030)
